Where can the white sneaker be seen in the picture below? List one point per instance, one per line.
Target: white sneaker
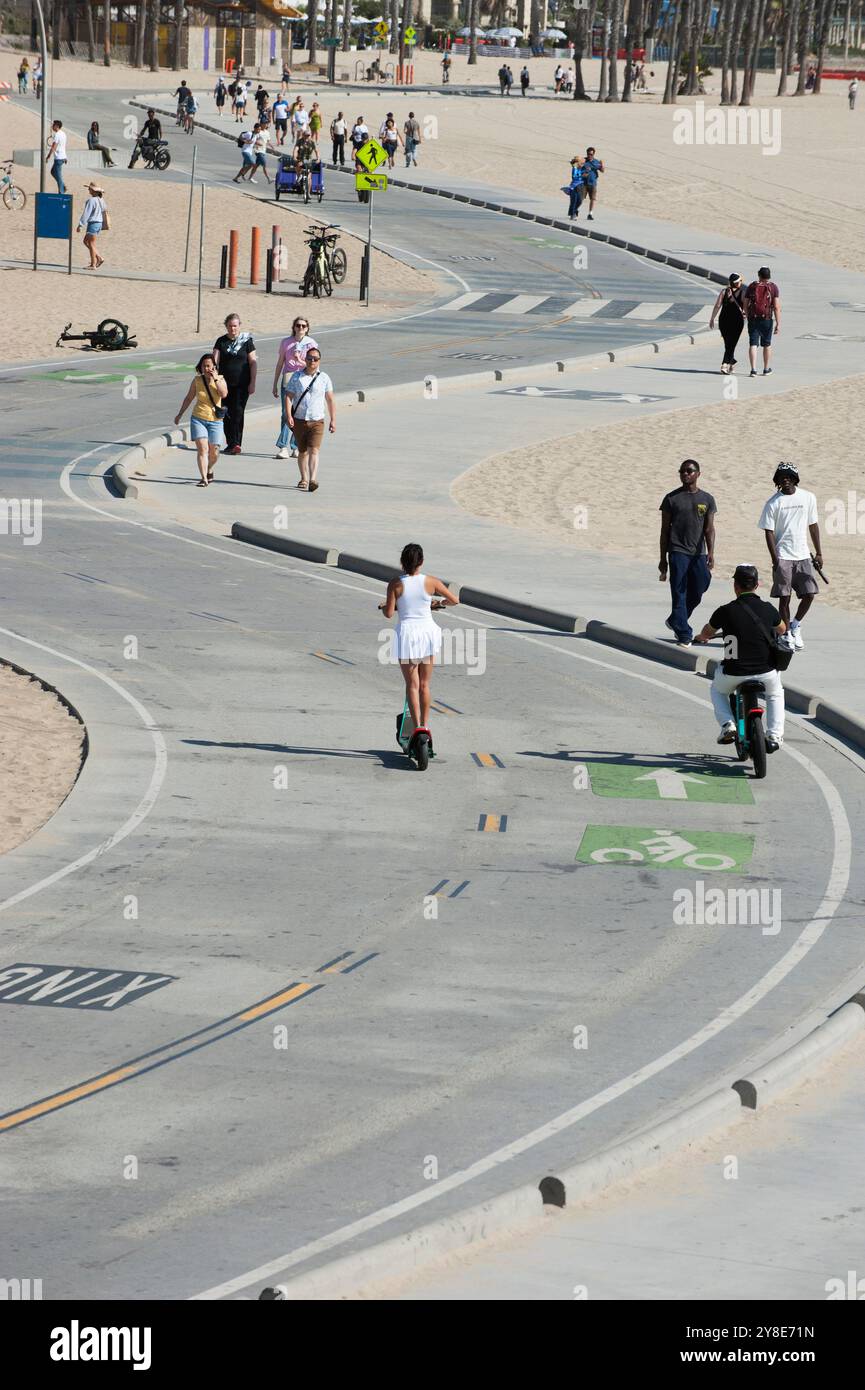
(787, 642)
(728, 732)
(294, 453)
(281, 454)
(796, 636)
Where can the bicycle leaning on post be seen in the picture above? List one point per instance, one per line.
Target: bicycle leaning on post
(14, 197)
(327, 265)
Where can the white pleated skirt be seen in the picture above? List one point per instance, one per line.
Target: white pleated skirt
(417, 639)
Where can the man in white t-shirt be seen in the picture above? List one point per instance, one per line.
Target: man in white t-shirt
(57, 154)
(280, 119)
(259, 153)
(299, 121)
(789, 521)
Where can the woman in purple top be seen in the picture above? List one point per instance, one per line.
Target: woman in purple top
(292, 358)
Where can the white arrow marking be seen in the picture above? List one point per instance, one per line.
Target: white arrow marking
(670, 783)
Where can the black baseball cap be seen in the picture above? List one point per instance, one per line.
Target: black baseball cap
(746, 576)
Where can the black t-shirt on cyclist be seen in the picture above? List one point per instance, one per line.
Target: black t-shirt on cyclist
(748, 620)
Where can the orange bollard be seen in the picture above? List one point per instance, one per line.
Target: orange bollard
(275, 240)
(254, 255)
(233, 250)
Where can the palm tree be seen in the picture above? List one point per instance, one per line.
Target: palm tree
(106, 33)
(91, 32)
(825, 19)
(346, 26)
(786, 47)
(632, 23)
(615, 31)
(579, 26)
(140, 26)
(806, 21)
(153, 35)
(474, 15)
(751, 53)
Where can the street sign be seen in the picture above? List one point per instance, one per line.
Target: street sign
(381, 30)
(370, 183)
(410, 35)
(710, 851)
(371, 155)
(331, 43)
(669, 782)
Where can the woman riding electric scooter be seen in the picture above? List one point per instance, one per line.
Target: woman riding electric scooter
(418, 640)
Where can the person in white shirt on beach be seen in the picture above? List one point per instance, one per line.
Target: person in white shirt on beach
(789, 522)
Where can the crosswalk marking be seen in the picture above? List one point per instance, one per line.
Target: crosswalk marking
(521, 303)
(647, 310)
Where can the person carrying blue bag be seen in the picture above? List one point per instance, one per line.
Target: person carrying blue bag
(575, 188)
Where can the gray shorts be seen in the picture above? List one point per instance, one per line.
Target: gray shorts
(793, 576)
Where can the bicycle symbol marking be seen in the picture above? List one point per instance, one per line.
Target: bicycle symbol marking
(708, 853)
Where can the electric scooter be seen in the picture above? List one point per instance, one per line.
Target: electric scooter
(417, 744)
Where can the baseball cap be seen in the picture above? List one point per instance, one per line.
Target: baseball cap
(746, 576)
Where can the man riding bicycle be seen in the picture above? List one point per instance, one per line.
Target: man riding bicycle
(750, 626)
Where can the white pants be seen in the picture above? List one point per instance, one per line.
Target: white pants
(723, 686)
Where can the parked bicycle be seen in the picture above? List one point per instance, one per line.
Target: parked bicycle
(327, 265)
(14, 197)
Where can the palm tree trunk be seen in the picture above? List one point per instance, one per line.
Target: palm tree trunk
(394, 26)
(106, 34)
(140, 26)
(153, 35)
(786, 49)
(724, 30)
(312, 27)
(806, 19)
(750, 70)
(824, 23)
(605, 55)
(91, 32)
(673, 65)
(615, 31)
(579, 26)
(735, 42)
(346, 27)
(178, 33)
(632, 23)
(474, 11)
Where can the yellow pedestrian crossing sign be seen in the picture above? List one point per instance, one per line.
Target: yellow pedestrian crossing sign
(370, 183)
(410, 35)
(381, 30)
(371, 154)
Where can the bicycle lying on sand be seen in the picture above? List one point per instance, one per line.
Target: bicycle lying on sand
(327, 265)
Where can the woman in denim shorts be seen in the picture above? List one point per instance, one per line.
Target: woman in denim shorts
(208, 389)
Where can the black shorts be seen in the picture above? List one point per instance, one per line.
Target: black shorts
(281, 125)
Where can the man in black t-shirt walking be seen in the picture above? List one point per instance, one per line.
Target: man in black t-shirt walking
(749, 626)
(687, 548)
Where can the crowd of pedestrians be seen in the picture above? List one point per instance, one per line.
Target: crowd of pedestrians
(224, 380)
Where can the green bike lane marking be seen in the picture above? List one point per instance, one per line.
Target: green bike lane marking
(669, 781)
(709, 851)
(91, 378)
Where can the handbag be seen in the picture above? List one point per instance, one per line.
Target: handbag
(779, 657)
(220, 411)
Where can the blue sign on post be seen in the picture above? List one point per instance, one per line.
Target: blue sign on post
(53, 220)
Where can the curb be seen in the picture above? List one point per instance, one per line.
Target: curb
(521, 1212)
(147, 448)
(714, 276)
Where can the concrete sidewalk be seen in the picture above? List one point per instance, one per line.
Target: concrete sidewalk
(741, 1219)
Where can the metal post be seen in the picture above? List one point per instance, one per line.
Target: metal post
(254, 255)
(233, 253)
(275, 241)
(223, 268)
(268, 272)
(369, 249)
(200, 259)
(43, 53)
(189, 213)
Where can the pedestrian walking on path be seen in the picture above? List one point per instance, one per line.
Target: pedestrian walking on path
(280, 119)
(412, 138)
(56, 155)
(418, 638)
(762, 306)
(753, 625)
(391, 139)
(575, 188)
(729, 309)
(789, 523)
(208, 389)
(236, 359)
(315, 122)
(23, 76)
(524, 80)
(220, 92)
(291, 358)
(592, 167)
(247, 168)
(94, 219)
(338, 131)
(308, 394)
(446, 68)
(94, 144)
(687, 548)
(852, 92)
(259, 153)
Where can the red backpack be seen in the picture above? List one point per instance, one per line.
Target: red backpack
(760, 296)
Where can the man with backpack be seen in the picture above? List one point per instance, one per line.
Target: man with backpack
(763, 310)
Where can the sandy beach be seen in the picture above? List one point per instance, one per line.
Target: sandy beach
(41, 746)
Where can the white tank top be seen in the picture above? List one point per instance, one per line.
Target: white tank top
(414, 602)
